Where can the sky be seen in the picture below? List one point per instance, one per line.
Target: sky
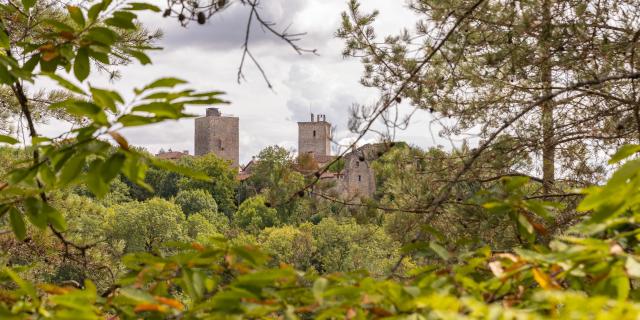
(208, 57)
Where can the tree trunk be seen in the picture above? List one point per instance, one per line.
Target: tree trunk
(548, 134)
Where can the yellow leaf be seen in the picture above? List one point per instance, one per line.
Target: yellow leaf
(544, 280)
(142, 307)
(120, 140)
(170, 302)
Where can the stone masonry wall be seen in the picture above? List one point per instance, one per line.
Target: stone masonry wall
(220, 135)
(318, 143)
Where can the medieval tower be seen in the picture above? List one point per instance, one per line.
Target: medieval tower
(219, 134)
(315, 136)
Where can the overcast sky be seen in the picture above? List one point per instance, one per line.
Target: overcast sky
(208, 57)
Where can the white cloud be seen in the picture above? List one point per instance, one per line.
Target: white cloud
(208, 57)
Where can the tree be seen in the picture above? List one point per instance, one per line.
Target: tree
(253, 215)
(290, 245)
(195, 201)
(409, 179)
(201, 227)
(34, 26)
(344, 246)
(274, 177)
(557, 76)
(222, 187)
(145, 226)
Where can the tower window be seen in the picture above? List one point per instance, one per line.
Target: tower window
(357, 164)
(359, 178)
(314, 133)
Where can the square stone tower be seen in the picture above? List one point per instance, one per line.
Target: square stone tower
(218, 134)
(315, 136)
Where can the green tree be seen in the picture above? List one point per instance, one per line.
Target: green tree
(35, 27)
(200, 227)
(555, 75)
(409, 179)
(344, 245)
(289, 244)
(145, 226)
(253, 215)
(223, 185)
(274, 177)
(194, 201)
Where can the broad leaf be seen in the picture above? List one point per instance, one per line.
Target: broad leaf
(17, 223)
(8, 139)
(81, 66)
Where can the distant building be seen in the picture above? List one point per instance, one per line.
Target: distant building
(357, 179)
(172, 155)
(315, 137)
(218, 134)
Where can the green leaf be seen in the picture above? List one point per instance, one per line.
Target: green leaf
(185, 171)
(64, 83)
(142, 6)
(160, 109)
(8, 139)
(130, 120)
(4, 39)
(54, 217)
(624, 152)
(112, 166)
(5, 76)
(135, 170)
(106, 98)
(34, 212)
(95, 10)
(620, 282)
(72, 168)
(102, 35)
(79, 108)
(440, 250)
(17, 223)
(47, 176)
(95, 181)
(76, 15)
(81, 67)
(99, 56)
(25, 286)
(58, 25)
(164, 83)
(514, 183)
(140, 56)
(524, 222)
(122, 19)
(319, 286)
(31, 64)
(28, 4)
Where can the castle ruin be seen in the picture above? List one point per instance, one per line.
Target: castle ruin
(219, 134)
(357, 179)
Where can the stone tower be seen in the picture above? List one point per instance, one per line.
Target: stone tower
(315, 136)
(218, 134)
(359, 177)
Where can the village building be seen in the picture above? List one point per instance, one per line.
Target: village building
(219, 134)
